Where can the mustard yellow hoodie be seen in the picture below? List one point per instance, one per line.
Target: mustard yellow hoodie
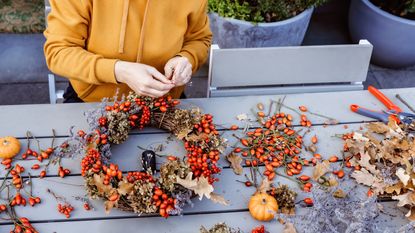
(85, 38)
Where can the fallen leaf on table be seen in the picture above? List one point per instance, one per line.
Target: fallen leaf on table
(365, 162)
(333, 181)
(183, 133)
(339, 194)
(364, 177)
(235, 161)
(242, 117)
(411, 214)
(289, 228)
(405, 199)
(109, 205)
(378, 127)
(216, 198)
(396, 188)
(321, 169)
(265, 186)
(403, 176)
(199, 186)
(359, 137)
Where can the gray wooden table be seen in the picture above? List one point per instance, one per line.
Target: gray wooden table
(40, 119)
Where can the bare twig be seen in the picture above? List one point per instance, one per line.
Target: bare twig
(404, 102)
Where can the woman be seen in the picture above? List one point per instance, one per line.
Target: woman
(148, 46)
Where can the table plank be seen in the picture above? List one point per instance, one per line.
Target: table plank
(41, 118)
(127, 154)
(191, 223)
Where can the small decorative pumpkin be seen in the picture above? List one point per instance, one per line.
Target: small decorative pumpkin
(9, 147)
(262, 206)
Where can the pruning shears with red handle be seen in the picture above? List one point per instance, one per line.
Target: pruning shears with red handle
(394, 112)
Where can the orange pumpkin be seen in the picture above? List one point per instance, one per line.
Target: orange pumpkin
(262, 206)
(9, 147)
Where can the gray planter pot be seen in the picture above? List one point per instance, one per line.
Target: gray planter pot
(233, 33)
(393, 37)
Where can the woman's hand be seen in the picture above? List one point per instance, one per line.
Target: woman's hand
(143, 79)
(181, 70)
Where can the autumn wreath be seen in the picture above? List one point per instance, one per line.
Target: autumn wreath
(145, 192)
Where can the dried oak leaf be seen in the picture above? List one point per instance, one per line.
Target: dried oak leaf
(200, 185)
(339, 194)
(265, 186)
(364, 177)
(242, 117)
(396, 188)
(365, 162)
(403, 176)
(289, 228)
(99, 183)
(405, 199)
(125, 187)
(216, 198)
(109, 205)
(197, 137)
(411, 214)
(235, 161)
(378, 127)
(321, 169)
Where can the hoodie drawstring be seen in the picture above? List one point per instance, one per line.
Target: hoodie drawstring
(143, 28)
(123, 26)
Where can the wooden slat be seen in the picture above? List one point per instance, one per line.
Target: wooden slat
(192, 223)
(127, 155)
(40, 119)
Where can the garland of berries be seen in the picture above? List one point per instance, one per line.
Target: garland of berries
(144, 191)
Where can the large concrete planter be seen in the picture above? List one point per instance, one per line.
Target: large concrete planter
(393, 37)
(233, 33)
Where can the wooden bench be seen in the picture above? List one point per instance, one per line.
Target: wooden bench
(285, 70)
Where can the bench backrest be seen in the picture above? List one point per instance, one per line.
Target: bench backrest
(280, 70)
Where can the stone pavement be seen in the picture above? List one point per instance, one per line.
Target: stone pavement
(23, 71)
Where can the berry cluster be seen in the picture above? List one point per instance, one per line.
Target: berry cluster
(65, 209)
(163, 202)
(276, 144)
(111, 172)
(17, 181)
(34, 201)
(23, 225)
(132, 177)
(62, 172)
(92, 161)
(202, 162)
(18, 200)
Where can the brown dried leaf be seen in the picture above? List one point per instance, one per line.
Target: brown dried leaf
(183, 133)
(364, 177)
(394, 189)
(339, 194)
(288, 211)
(265, 186)
(197, 137)
(411, 214)
(403, 176)
(124, 187)
(378, 127)
(235, 161)
(99, 183)
(333, 181)
(200, 186)
(365, 162)
(216, 198)
(289, 228)
(321, 169)
(109, 205)
(405, 199)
